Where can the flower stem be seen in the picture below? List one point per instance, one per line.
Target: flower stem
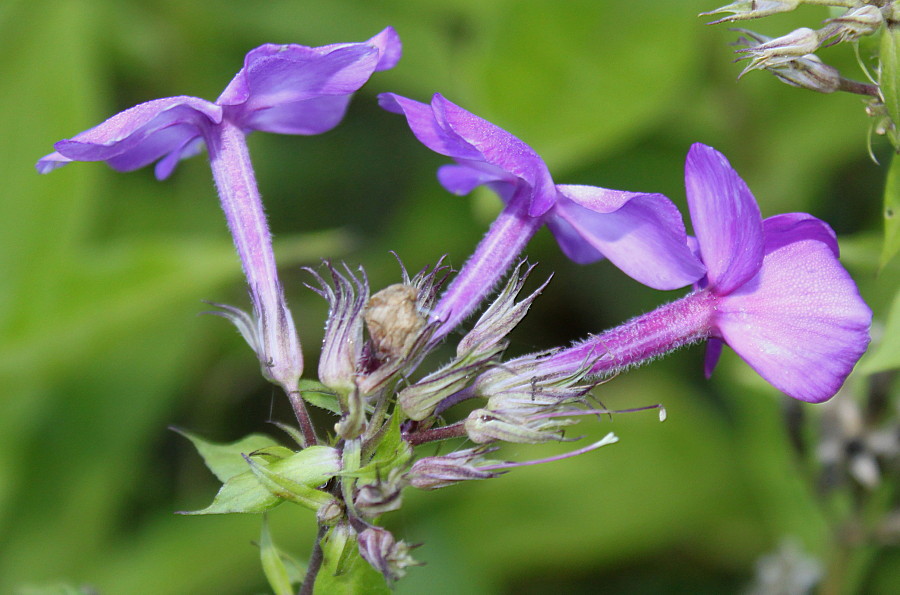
(456, 430)
(278, 347)
(315, 564)
(306, 427)
(499, 248)
(639, 340)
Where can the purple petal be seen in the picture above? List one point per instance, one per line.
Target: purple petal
(726, 219)
(387, 42)
(800, 323)
(139, 135)
(788, 228)
(446, 128)
(501, 149)
(641, 234)
(713, 351)
(462, 179)
(295, 89)
(389, 48)
(308, 117)
(427, 130)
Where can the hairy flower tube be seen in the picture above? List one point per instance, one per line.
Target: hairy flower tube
(642, 234)
(286, 89)
(774, 291)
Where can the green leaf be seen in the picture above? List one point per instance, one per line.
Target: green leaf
(227, 460)
(273, 566)
(241, 493)
(292, 478)
(316, 393)
(392, 451)
(287, 489)
(891, 213)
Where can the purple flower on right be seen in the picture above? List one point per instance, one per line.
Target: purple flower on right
(774, 291)
(783, 301)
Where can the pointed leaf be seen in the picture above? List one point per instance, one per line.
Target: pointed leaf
(241, 493)
(273, 566)
(226, 460)
(318, 394)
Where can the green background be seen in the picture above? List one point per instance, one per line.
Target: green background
(102, 276)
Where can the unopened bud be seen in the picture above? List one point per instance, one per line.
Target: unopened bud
(751, 9)
(781, 50)
(330, 513)
(484, 425)
(375, 499)
(432, 473)
(809, 72)
(386, 555)
(855, 23)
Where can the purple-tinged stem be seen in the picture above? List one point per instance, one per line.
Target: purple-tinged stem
(499, 248)
(639, 340)
(456, 430)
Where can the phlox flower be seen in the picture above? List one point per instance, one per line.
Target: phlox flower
(286, 89)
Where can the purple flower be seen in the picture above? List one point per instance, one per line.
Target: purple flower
(288, 89)
(774, 291)
(642, 234)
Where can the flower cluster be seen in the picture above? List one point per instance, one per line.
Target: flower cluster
(773, 290)
(792, 59)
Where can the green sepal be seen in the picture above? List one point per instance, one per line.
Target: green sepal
(226, 460)
(891, 213)
(273, 565)
(889, 79)
(316, 393)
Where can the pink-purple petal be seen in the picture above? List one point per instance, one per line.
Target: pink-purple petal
(641, 234)
(462, 179)
(788, 228)
(800, 323)
(312, 116)
(424, 125)
(713, 351)
(138, 136)
(501, 149)
(725, 217)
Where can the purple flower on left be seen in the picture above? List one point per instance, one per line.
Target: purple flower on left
(286, 89)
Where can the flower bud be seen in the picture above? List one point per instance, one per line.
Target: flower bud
(752, 9)
(375, 499)
(386, 555)
(330, 513)
(343, 341)
(809, 72)
(781, 50)
(485, 425)
(432, 473)
(855, 23)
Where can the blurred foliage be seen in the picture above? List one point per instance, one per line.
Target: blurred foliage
(102, 274)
